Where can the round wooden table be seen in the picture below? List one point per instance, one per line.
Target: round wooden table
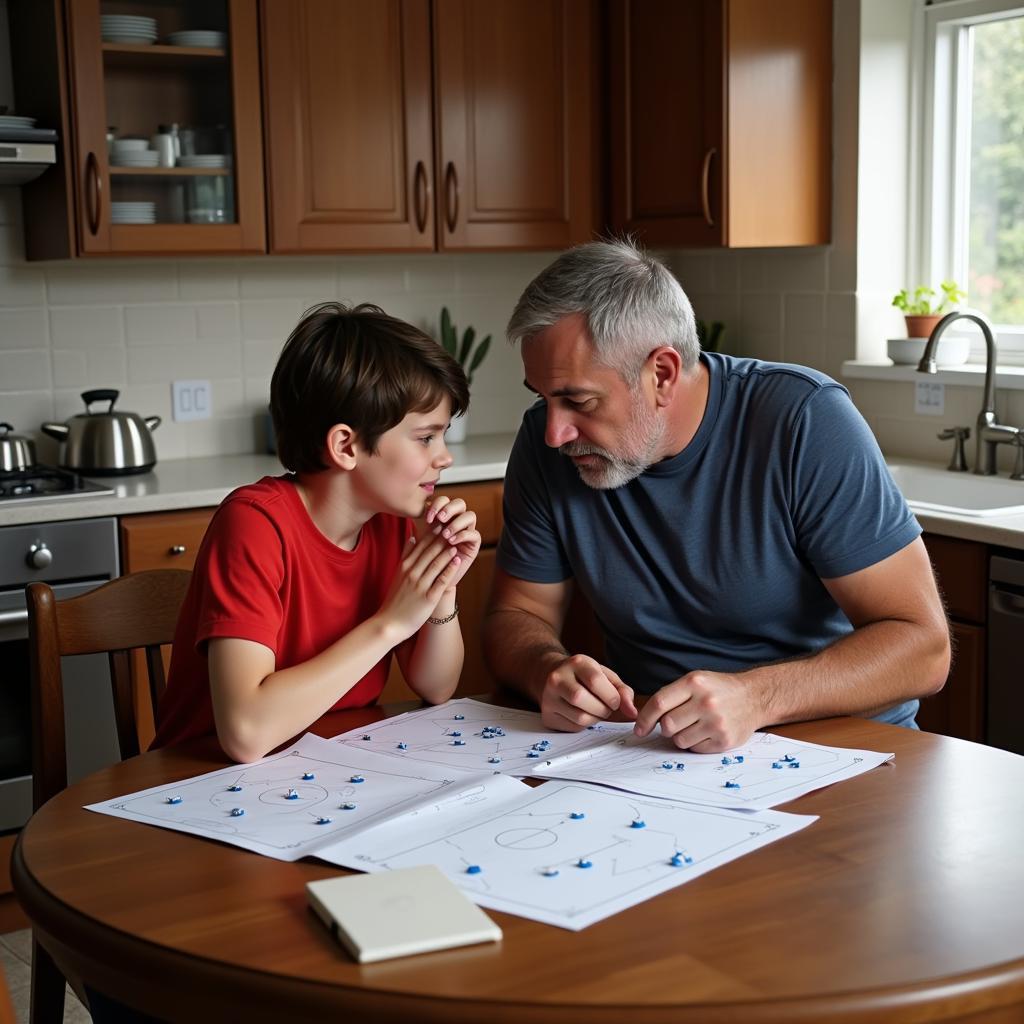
(902, 904)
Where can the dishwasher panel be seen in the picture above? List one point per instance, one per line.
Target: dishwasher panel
(1005, 698)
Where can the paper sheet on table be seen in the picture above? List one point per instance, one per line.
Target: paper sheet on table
(528, 844)
(435, 735)
(767, 771)
(284, 828)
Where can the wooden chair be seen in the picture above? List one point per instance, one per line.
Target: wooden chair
(6, 1009)
(137, 611)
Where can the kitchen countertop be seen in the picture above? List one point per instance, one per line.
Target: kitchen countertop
(202, 482)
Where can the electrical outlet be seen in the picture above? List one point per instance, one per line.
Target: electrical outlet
(191, 400)
(930, 397)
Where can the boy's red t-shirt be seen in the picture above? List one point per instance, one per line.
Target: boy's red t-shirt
(264, 572)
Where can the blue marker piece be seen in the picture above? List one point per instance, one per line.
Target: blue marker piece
(323, 821)
(666, 764)
(726, 760)
(237, 812)
(794, 764)
(638, 823)
(348, 807)
(455, 732)
(403, 746)
(236, 788)
(357, 778)
(532, 753)
(308, 776)
(680, 766)
(291, 795)
(788, 757)
(174, 800)
(739, 759)
(494, 760)
(731, 785)
(459, 718)
(550, 872)
(584, 863)
(473, 869)
(577, 815)
(458, 743)
(775, 764)
(676, 861)
(366, 737)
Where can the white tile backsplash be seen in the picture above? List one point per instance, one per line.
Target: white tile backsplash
(23, 328)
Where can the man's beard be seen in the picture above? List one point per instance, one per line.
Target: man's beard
(641, 438)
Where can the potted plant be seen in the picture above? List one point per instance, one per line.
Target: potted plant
(709, 336)
(920, 310)
(469, 352)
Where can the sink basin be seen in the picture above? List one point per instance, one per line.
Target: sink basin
(934, 489)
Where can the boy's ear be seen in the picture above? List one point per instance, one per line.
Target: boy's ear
(341, 446)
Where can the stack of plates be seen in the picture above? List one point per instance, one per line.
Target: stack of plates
(209, 160)
(133, 213)
(198, 37)
(134, 157)
(128, 28)
(12, 121)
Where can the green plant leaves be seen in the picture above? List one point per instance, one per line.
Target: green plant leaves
(469, 353)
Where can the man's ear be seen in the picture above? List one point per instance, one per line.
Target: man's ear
(341, 448)
(666, 367)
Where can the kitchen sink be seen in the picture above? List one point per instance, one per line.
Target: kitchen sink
(935, 489)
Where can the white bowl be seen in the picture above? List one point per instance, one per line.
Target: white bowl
(951, 351)
(129, 143)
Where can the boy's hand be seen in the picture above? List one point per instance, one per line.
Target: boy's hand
(449, 520)
(430, 566)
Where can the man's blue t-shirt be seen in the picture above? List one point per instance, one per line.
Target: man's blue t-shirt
(713, 559)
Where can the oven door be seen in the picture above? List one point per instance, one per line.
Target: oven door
(88, 709)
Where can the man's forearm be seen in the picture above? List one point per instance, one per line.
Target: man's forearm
(876, 666)
(520, 650)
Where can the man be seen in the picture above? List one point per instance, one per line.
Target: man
(730, 521)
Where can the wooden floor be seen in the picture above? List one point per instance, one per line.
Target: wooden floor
(16, 963)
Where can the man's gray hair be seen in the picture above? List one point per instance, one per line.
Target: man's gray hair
(630, 301)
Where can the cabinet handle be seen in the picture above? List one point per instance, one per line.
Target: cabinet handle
(93, 192)
(177, 549)
(705, 176)
(451, 197)
(420, 195)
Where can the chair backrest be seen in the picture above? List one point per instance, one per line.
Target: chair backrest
(136, 611)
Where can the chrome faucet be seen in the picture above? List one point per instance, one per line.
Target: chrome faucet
(990, 432)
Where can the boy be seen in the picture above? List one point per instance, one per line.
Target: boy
(305, 583)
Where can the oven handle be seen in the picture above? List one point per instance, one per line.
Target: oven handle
(9, 618)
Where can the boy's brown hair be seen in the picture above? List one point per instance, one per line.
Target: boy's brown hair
(357, 366)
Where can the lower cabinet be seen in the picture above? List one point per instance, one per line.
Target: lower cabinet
(961, 569)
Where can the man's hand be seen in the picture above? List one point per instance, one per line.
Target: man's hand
(706, 712)
(579, 692)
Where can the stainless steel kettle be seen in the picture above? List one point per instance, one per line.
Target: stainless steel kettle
(16, 452)
(105, 443)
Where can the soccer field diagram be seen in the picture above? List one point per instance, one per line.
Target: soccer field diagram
(290, 804)
(571, 854)
(768, 770)
(468, 736)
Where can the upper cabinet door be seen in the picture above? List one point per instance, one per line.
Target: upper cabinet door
(348, 102)
(515, 99)
(188, 71)
(721, 121)
(667, 143)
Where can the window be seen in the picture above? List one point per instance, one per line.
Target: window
(973, 180)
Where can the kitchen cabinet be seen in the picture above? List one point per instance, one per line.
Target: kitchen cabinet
(158, 540)
(720, 121)
(452, 125)
(961, 568)
(85, 78)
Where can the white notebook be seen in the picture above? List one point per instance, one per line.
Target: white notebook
(398, 913)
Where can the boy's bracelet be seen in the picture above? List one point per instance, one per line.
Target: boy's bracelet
(447, 618)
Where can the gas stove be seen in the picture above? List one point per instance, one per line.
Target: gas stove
(46, 483)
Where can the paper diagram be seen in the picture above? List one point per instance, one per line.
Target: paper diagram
(567, 854)
(465, 735)
(767, 771)
(290, 804)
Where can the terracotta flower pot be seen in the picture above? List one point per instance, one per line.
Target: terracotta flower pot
(921, 326)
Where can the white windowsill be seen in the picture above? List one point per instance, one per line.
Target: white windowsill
(968, 375)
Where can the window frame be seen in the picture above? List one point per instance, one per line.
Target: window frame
(942, 178)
